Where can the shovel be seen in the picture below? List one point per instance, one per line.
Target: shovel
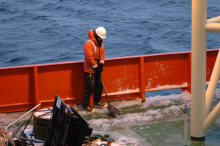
(112, 110)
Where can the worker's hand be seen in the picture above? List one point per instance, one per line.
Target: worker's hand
(101, 67)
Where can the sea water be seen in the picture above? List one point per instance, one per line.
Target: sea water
(158, 121)
(46, 31)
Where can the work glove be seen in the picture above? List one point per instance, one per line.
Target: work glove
(97, 70)
(101, 67)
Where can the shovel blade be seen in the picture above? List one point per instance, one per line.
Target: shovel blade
(114, 111)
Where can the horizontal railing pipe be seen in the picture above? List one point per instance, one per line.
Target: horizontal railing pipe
(212, 27)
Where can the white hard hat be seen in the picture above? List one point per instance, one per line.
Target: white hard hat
(101, 32)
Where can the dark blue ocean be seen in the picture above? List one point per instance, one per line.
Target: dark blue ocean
(47, 31)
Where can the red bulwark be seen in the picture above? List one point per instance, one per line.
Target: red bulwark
(23, 87)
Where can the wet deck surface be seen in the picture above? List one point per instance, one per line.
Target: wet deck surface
(156, 122)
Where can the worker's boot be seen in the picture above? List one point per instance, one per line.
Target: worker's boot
(100, 105)
(88, 109)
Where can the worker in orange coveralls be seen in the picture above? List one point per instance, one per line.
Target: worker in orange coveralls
(94, 52)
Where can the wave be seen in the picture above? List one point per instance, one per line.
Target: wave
(133, 28)
(14, 61)
(8, 8)
(17, 59)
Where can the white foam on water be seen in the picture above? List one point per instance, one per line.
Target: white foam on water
(120, 128)
(159, 109)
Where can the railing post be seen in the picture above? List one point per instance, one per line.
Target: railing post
(36, 86)
(142, 79)
(198, 87)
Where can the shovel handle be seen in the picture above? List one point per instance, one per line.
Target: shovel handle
(105, 92)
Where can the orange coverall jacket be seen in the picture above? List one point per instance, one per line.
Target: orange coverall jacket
(93, 52)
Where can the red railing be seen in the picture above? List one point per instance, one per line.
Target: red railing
(23, 87)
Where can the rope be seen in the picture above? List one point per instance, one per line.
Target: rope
(4, 137)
